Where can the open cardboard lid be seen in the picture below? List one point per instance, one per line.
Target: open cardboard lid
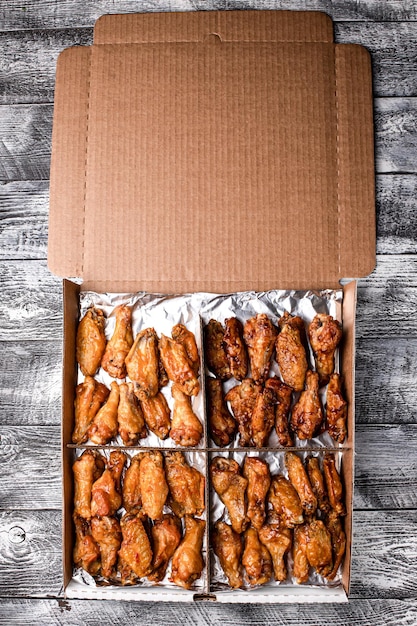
(217, 151)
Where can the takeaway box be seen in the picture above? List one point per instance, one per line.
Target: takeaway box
(212, 152)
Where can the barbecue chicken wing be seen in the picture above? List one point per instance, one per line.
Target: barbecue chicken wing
(227, 546)
(256, 559)
(299, 479)
(325, 334)
(135, 552)
(243, 399)
(166, 536)
(307, 413)
(336, 409)
(129, 416)
(260, 334)
(87, 469)
(319, 547)
(333, 484)
(187, 562)
(258, 476)
(235, 348)
(285, 501)
(142, 362)
(290, 351)
(186, 485)
(153, 485)
(283, 395)
(277, 539)
(91, 341)
(222, 424)
(86, 551)
(317, 483)
(132, 499)
(186, 428)
(263, 417)
(156, 412)
(301, 565)
(89, 396)
(230, 487)
(106, 495)
(119, 345)
(104, 426)
(215, 350)
(178, 367)
(338, 539)
(108, 536)
(186, 338)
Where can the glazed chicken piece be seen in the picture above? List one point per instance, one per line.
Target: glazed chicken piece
(186, 485)
(221, 422)
(230, 487)
(186, 338)
(91, 341)
(87, 469)
(256, 559)
(283, 395)
(277, 539)
(317, 483)
(290, 351)
(86, 551)
(135, 552)
(319, 547)
(227, 546)
(186, 428)
(132, 499)
(166, 536)
(333, 484)
(285, 501)
(307, 413)
(338, 539)
(235, 348)
(298, 477)
(336, 409)
(301, 566)
(243, 399)
(130, 418)
(325, 334)
(89, 396)
(260, 334)
(153, 485)
(108, 536)
(156, 412)
(118, 347)
(256, 471)
(106, 495)
(215, 350)
(104, 426)
(187, 562)
(179, 369)
(263, 417)
(142, 362)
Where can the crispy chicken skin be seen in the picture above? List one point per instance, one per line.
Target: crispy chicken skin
(307, 413)
(106, 495)
(187, 562)
(186, 485)
(325, 334)
(319, 547)
(156, 412)
(263, 417)
(132, 499)
(89, 396)
(91, 341)
(130, 417)
(243, 399)
(142, 362)
(235, 348)
(87, 469)
(256, 559)
(290, 351)
(285, 501)
(260, 334)
(230, 487)
(333, 484)
(186, 428)
(166, 536)
(153, 485)
(277, 539)
(104, 426)
(107, 534)
(227, 546)
(298, 477)
(338, 539)
(215, 350)
(186, 338)
(336, 409)
(86, 551)
(119, 345)
(222, 424)
(317, 483)
(256, 471)
(301, 565)
(177, 366)
(135, 551)
(283, 395)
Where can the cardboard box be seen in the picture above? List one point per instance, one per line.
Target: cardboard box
(219, 152)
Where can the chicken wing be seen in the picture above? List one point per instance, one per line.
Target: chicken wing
(86, 552)
(119, 345)
(333, 484)
(299, 479)
(135, 552)
(153, 485)
(243, 399)
(307, 413)
(338, 539)
(215, 350)
(227, 546)
(317, 483)
(187, 562)
(130, 418)
(91, 341)
(256, 471)
(230, 487)
(235, 348)
(301, 566)
(186, 428)
(87, 469)
(260, 334)
(290, 351)
(336, 409)
(156, 412)
(142, 362)
(104, 425)
(319, 547)
(325, 334)
(132, 499)
(89, 396)
(186, 338)
(285, 501)
(263, 417)
(256, 559)
(106, 495)
(177, 366)
(166, 536)
(107, 534)
(277, 539)
(186, 485)
(222, 424)
(283, 395)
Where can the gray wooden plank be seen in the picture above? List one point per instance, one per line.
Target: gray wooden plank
(396, 201)
(395, 135)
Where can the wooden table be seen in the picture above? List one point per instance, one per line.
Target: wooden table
(384, 566)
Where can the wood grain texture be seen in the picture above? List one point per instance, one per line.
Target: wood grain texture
(396, 203)
(395, 135)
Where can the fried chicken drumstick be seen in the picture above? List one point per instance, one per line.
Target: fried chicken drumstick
(119, 345)
(260, 334)
(290, 351)
(325, 334)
